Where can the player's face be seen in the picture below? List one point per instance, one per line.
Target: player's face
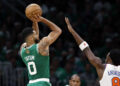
(31, 38)
(75, 81)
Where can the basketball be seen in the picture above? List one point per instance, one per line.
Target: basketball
(32, 10)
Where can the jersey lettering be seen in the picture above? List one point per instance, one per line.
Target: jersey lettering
(31, 65)
(115, 81)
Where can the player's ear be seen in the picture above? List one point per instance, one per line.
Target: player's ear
(108, 59)
(108, 55)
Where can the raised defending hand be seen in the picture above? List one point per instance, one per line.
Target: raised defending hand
(68, 24)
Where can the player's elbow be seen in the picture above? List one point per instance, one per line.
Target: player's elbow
(92, 58)
(60, 31)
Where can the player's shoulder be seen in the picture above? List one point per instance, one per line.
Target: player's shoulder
(45, 38)
(109, 66)
(23, 45)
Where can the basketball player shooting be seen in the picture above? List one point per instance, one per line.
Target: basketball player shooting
(34, 54)
(108, 73)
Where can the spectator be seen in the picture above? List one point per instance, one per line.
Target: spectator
(74, 80)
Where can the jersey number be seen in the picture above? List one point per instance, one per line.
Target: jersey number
(32, 68)
(115, 81)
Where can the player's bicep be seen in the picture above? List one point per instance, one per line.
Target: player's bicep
(48, 40)
(43, 43)
(43, 47)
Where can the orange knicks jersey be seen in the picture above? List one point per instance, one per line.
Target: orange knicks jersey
(111, 76)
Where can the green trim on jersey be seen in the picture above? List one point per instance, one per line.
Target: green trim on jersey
(37, 65)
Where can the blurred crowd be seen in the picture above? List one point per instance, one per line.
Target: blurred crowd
(97, 21)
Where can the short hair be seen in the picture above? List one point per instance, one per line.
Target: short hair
(26, 32)
(74, 75)
(115, 56)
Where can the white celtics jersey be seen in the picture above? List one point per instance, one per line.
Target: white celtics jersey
(111, 76)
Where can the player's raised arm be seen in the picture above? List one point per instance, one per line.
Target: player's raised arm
(95, 61)
(36, 29)
(54, 34)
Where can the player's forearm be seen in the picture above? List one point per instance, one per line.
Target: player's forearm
(52, 26)
(78, 39)
(84, 46)
(36, 28)
(87, 51)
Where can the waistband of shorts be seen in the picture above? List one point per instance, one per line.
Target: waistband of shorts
(39, 79)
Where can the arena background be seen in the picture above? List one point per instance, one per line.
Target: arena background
(97, 21)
